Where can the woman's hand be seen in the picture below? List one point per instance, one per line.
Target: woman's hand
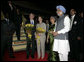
(38, 34)
(51, 32)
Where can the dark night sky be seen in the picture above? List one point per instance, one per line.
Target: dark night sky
(47, 7)
(50, 5)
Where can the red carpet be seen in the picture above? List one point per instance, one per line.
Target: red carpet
(21, 56)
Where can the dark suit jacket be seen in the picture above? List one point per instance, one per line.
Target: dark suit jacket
(34, 29)
(4, 30)
(74, 30)
(18, 20)
(6, 9)
(6, 33)
(7, 29)
(80, 28)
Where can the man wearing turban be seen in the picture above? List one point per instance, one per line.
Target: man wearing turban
(61, 44)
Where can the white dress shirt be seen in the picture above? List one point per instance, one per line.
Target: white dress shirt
(62, 46)
(32, 22)
(7, 20)
(55, 26)
(11, 6)
(66, 26)
(71, 22)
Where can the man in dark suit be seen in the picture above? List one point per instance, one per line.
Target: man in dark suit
(80, 35)
(14, 16)
(11, 11)
(18, 23)
(7, 30)
(9, 7)
(73, 34)
(31, 21)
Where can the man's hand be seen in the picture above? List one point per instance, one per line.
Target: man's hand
(51, 32)
(55, 33)
(79, 38)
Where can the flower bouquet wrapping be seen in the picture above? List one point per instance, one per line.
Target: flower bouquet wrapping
(39, 31)
(29, 28)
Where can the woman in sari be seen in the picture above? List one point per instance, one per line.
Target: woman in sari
(52, 55)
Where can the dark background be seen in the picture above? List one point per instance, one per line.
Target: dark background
(47, 8)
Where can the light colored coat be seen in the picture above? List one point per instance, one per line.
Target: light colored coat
(41, 46)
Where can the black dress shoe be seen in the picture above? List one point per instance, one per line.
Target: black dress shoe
(27, 57)
(19, 40)
(32, 56)
(12, 56)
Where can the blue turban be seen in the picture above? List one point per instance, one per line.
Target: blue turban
(62, 8)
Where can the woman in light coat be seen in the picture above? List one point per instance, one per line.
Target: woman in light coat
(41, 45)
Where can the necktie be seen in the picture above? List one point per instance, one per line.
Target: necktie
(32, 22)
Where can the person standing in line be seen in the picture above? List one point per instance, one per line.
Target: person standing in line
(41, 45)
(47, 29)
(18, 23)
(52, 55)
(80, 36)
(31, 21)
(74, 43)
(7, 31)
(61, 43)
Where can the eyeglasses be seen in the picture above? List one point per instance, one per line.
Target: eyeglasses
(58, 10)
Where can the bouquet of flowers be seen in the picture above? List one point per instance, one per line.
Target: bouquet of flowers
(52, 27)
(29, 28)
(39, 30)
